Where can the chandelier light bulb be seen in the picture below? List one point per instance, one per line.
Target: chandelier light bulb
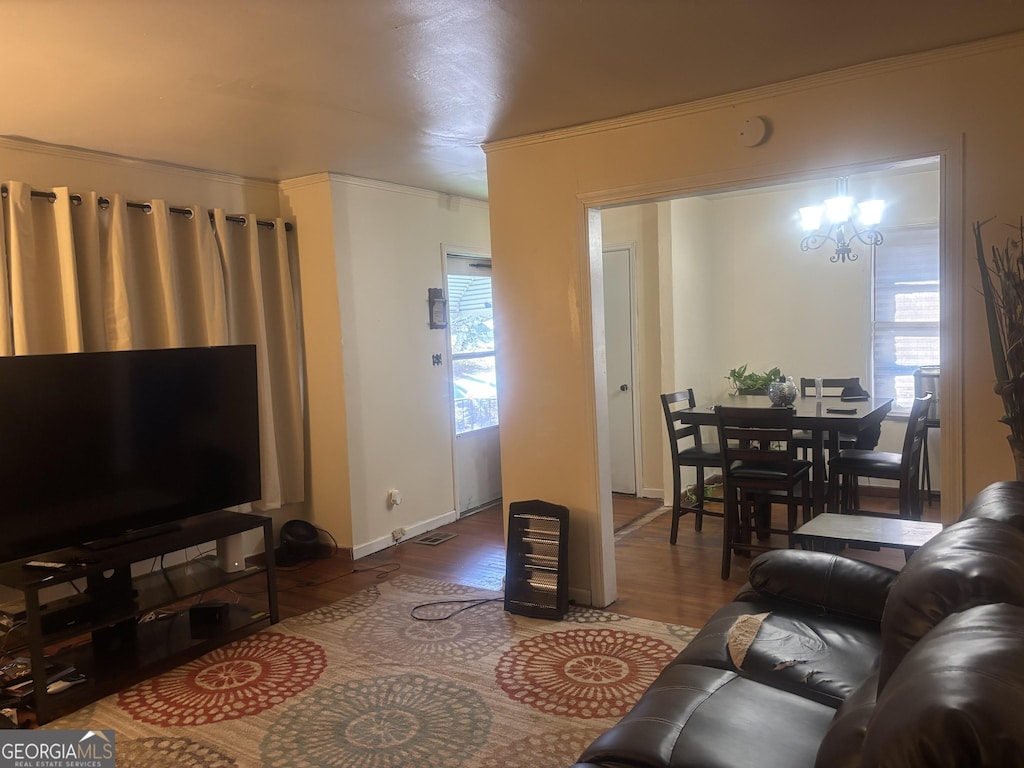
(810, 217)
(838, 209)
(870, 212)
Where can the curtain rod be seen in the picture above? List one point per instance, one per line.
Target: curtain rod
(103, 201)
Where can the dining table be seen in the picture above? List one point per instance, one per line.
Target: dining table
(825, 419)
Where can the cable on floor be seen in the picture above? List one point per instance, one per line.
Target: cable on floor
(466, 605)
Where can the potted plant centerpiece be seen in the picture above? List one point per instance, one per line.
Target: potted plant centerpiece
(750, 383)
(1002, 284)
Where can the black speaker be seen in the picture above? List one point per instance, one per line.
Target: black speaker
(299, 542)
(537, 560)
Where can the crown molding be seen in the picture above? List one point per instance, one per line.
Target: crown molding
(823, 80)
(382, 186)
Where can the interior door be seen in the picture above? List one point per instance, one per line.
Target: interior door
(619, 321)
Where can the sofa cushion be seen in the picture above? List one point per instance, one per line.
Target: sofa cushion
(712, 718)
(818, 656)
(956, 699)
(970, 563)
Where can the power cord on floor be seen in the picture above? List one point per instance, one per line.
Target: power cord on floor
(385, 570)
(466, 605)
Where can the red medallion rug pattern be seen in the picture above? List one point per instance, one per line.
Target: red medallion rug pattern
(237, 680)
(584, 673)
(368, 683)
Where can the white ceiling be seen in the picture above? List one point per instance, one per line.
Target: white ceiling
(406, 91)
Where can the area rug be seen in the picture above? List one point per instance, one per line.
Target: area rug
(362, 684)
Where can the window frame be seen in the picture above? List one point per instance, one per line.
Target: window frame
(925, 235)
(485, 264)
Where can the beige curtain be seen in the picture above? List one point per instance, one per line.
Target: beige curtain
(93, 276)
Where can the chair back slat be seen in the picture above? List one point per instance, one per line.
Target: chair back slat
(829, 387)
(760, 466)
(673, 403)
(910, 466)
(757, 437)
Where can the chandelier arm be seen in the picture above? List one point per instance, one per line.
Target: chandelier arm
(869, 236)
(816, 240)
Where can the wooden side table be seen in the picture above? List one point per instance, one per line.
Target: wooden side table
(867, 530)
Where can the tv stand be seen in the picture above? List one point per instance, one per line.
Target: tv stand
(121, 648)
(129, 536)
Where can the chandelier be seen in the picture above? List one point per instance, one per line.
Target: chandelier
(834, 222)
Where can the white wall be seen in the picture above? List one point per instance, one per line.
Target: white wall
(388, 407)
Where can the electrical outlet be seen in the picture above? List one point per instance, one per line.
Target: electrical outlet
(397, 534)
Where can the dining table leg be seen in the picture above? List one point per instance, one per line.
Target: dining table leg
(818, 485)
(824, 443)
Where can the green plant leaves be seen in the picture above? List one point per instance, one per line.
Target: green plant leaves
(739, 378)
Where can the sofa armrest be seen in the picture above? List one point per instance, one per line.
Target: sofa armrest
(827, 582)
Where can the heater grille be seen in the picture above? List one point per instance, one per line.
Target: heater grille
(536, 562)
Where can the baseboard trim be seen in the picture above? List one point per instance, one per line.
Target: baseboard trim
(382, 543)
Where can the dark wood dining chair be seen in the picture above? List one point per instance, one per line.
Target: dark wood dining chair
(829, 387)
(851, 464)
(832, 389)
(688, 450)
(927, 380)
(761, 468)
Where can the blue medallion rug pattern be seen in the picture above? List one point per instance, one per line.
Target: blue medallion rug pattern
(363, 684)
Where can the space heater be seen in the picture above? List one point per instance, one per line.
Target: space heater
(536, 561)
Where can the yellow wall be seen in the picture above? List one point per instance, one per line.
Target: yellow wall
(955, 103)
(328, 483)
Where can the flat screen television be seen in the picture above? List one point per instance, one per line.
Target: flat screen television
(98, 444)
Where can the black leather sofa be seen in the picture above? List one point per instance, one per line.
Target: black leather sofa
(826, 661)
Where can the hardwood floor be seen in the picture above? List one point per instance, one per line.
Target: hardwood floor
(677, 584)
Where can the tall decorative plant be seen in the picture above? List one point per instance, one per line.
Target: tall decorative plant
(1002, 284)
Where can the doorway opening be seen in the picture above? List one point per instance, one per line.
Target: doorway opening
(721, 281)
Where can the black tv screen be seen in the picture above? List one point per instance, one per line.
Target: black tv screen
(96, 444)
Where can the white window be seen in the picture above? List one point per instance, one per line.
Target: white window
(906, 311)
(471, 328)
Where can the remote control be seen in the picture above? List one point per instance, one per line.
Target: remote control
(45, 565)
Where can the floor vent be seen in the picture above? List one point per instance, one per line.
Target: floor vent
(433, 539)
